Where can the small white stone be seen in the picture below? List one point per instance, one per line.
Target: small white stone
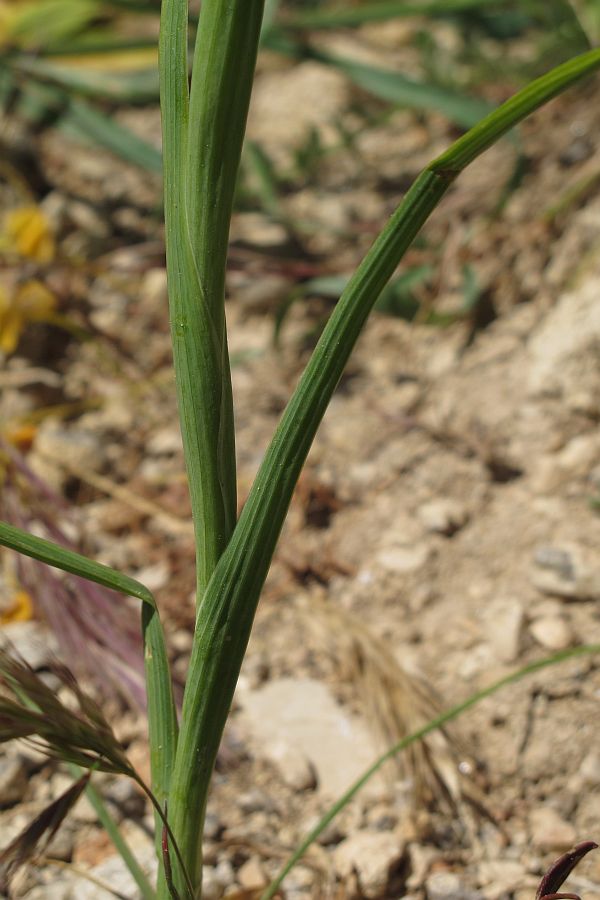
(443, 516)
(504, 628)
(552, 632)
(403, 560)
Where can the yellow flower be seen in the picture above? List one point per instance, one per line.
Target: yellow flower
(27, 232)
(20, 610)
(28, 302)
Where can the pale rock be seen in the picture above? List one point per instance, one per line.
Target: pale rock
(566, 571)
(373, 856)
(589, 769)
(338, 745)
(549, 831)
(501, 877)
(251, 874)
(443, 516)
(448, 886)
(403, 559)
(504, 620)
(212, 889)
(575, 460)
(293, 766)
(153, 287)
(562, 349)
(552, 632)
(32, 641)
(13, 780)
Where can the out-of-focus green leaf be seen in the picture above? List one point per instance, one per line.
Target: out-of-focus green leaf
(106, 131)
(125, 87)
(33, 23)
(398, 89)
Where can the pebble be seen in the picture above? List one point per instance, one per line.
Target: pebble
(251, 874)
(565, 571)
(549, 831)
(403, 560)
(13, 780)
(504, 628)
(552, 632)
(443, 516)
(338, 744)
(448, 886)
(293, 766)
(372, 856)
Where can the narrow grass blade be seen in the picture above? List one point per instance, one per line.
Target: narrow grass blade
(435, 723)
(69, 561)
(122, 87)
(107, 132)
(402, 91)
(147, 892)
(225, 617)
(162, 716)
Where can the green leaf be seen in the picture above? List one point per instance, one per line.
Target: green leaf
(107, 132)
(120, 87)
(402, 91)
(162, 715)
(227, 611)
(378, 12)
(69, 561)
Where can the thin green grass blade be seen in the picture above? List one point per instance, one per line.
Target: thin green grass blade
(225, 617)
(402, 91)
(75, 563)
(162, 716)
(107, 132)
(147, 892)
(432, 725)
(122, 87)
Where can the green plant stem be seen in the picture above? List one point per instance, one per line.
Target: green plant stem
(202, 138)
(432, 725)
(225, 616)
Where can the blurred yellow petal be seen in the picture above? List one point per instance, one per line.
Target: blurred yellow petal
(20, 610)
(29, 302)
(20, 435)
(11, 326)
(35, 301)
(27, 232)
